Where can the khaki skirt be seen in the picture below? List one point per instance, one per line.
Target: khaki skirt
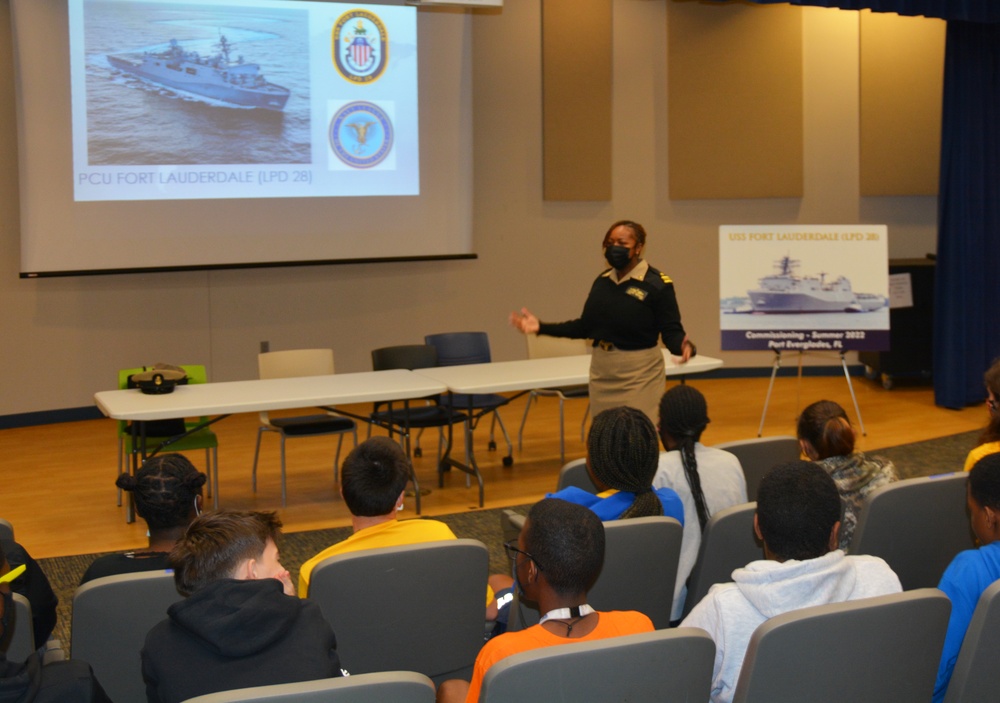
(633, 378)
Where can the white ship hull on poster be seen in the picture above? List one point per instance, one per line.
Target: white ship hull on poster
(800, 288)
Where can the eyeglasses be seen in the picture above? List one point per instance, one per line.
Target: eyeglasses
(513, 551)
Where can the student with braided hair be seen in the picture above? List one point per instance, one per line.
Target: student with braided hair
(167, 494)
(706, 479)
(826, 437)
(622, 459)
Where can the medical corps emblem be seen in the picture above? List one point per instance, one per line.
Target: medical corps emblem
(360, 46)
(361, 134)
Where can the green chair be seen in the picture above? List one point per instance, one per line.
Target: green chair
(202, 439)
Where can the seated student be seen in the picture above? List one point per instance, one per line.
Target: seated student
(240, 624)
(34, 585)
(29, 681)
(826, 437)
(372, 482)
(989, 440)
(971, 572)
(558, 558)
(706, 479)
(798, 511)
(622, 454)
(167, 493)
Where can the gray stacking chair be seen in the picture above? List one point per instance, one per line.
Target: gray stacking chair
(665, 666)
(974, 678)
(575, 474)
(640, 569)
(419, 608)
(728, 543)
(6, 530)
(22, 640)
(917, 525)
(394, 686)
(111, 617)
(883, 649)
(758, 455)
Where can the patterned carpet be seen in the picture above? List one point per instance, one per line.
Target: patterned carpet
(918, 459)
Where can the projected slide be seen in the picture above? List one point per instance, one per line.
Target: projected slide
(182, 99)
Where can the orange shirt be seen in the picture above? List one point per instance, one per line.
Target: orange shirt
(611, 624)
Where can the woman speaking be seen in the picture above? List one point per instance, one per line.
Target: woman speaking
(630, 307)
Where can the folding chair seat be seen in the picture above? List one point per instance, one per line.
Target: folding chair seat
(296, 363)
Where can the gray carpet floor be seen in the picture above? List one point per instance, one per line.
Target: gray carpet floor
(912, 460)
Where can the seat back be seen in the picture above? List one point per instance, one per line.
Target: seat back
(974, 678)
(428, 600)
(294, 363)
(395, 686)
(459, 348)
(6, 530)
(728, 543)
(917, 525)
(542, 346)
(639, 572)
(404, 356)
(654, 667)
(882, 649)
(20, 634)
(758, 455)
(111, 616)
(575, 474)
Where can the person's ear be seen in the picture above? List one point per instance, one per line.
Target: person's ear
(808, 449)
(991, 516)
(756, 528)
(399, 500)
(835, 536)
(249, 570)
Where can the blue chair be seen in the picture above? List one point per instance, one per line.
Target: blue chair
(402, 419)
(460, 348)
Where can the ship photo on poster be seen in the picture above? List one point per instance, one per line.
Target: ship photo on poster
(804, 288)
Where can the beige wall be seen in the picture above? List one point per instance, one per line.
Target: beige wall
(64, 339)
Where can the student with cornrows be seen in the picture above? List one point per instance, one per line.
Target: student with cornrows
(621, 458)
(706, 479)
(167, 494)
(827, 437)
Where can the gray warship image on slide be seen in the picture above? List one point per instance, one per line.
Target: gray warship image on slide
(222, 77)
(787, 292)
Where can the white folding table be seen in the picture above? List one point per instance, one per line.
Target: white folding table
(525, 375)
(224, 399)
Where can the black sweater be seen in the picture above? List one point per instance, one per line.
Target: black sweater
(631, 315)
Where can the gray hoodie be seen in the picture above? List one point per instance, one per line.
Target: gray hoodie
(730, 612)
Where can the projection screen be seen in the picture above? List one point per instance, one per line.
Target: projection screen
(163, 135)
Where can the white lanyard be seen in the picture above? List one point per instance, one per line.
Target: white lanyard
(577, 611)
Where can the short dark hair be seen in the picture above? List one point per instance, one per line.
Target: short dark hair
(567, 543)
(164, 489)
(991, 379)
(215, 544)
(624, 455)
(374, 474)
(638, 230)
(984, 481)
(797, 506)
(825, 425)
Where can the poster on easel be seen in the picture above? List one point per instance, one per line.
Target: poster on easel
(804, 288)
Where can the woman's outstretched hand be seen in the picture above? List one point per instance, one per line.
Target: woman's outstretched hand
(524, 321)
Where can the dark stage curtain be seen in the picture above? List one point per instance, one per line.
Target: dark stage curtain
(961, 10)
(967, 286)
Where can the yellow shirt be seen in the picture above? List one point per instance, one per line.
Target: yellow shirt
(979, 452)
(394, 533)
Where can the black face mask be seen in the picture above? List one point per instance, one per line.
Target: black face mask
(618, 256)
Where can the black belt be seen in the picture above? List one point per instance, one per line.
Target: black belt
(611, 346)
